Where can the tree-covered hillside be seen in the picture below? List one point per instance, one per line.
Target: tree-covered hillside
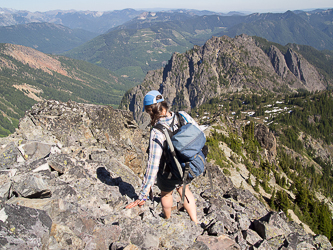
(133, 52)
(28, 76)
(283, 29)
(298, 176)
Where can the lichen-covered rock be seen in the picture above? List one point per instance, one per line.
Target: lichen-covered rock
(9, 155)
(31, 186)
(322, 242)
(221, 242)
(264, 245)
(5, 190)
(271, 226)
(24, 228)
(251, 205)
(251, 237)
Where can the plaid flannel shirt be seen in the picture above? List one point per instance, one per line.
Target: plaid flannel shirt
(156, 141)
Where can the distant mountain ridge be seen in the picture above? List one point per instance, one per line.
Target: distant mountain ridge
(93, 21)
(185, 28)
(288, 28)
(46, 37)
(148, 41)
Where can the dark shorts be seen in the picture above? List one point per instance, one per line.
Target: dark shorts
(167, 185)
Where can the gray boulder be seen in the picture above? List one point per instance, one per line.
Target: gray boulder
(24, 228)
(271, 226)
(9, 155)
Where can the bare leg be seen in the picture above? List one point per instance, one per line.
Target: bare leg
(189, 203)
(167, 202)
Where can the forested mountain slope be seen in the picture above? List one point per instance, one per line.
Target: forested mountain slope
(286, 28)
(278, 146)
(28, 76)
(46, 37)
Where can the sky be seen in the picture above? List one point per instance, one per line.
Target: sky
(222, 6)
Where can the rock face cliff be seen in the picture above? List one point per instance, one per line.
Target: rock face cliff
(70, 169)
(267, 141)
(222, 65)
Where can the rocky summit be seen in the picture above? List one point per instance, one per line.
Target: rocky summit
(223, 65)
(69, 170)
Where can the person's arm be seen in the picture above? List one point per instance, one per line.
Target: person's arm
(155, 153)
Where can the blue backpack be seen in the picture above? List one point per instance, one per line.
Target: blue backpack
(186, 146)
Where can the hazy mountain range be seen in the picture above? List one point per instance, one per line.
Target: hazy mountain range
(45, 37)
(144, 43)
(93, 21)
(131, 42)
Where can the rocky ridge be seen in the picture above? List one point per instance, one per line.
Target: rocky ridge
(70, 169)
(224, 65)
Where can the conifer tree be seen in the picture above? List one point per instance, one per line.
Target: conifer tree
(325, 225)
(256, 187)
(302, 197)
(249, 179)
(272, 200)
(282, 201)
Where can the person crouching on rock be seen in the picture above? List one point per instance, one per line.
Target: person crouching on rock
(157, 108)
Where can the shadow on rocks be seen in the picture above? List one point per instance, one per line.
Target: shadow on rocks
(124, 188)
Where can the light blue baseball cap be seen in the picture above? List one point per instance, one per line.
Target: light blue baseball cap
(150, 98)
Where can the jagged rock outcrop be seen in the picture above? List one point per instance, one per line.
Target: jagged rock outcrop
(289, 67)
(221, 65)
(70, 169)
(267, 141)
(317, 148)
(303, 71)
(278, 61)
(76, 125)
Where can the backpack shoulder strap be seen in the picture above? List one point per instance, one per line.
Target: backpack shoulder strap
(165, 131)
(159, 127)
(181, 119)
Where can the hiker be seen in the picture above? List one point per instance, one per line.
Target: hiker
(158, 110)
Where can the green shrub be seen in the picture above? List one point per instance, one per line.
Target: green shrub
(226, 172)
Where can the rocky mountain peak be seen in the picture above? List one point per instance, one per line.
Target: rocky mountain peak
(70, 169)
(221, 65)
